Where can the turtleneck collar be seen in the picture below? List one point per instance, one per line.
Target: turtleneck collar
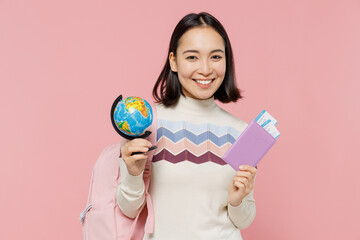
(195, 106)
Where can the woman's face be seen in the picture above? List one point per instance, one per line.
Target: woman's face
(200, 62)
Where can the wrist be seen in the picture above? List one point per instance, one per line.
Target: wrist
(235, 204)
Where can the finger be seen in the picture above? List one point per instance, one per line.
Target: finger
(240, 185)
(138, 157)
(246, 185)
(248, 168)
(142, 142)
(243, 180)
(246, 174)
(138, 149)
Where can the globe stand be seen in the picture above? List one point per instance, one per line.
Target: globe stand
(112, 112)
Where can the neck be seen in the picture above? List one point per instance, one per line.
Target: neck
(196, 106)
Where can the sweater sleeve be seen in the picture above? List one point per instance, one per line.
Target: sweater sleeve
(130, 194)
(243, 215)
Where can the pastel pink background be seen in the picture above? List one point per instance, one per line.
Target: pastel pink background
(62, 63)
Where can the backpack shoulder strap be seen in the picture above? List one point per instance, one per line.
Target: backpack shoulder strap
(153, 140)
(147, 213)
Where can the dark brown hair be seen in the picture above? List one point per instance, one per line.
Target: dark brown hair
(168, 83)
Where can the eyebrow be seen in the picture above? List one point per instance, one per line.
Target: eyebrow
(196, 51)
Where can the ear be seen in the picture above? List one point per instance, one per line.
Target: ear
(172, 61)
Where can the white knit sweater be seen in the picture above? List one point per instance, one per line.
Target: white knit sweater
(189, 180)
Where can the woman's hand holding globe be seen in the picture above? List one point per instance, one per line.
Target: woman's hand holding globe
(131, 117)
(135, 163)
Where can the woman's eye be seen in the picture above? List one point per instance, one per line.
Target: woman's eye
(217, 57)
(191, 57)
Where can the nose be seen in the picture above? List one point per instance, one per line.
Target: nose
(205, 68)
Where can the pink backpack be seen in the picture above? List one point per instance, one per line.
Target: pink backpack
(102, 218)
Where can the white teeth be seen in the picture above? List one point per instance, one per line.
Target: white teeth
(204, 81)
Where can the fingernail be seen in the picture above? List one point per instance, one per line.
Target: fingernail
(242, 167)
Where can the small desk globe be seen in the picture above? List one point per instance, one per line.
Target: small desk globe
(131, 117)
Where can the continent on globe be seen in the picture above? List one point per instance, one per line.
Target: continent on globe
(124, 126)
(136, 103)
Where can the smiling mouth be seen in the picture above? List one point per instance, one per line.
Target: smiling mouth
(204, 81)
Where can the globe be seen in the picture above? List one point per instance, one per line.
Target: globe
(133, 116)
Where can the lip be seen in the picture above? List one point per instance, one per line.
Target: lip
(204, 86)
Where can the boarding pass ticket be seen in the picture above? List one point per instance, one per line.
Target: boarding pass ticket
(268, 122)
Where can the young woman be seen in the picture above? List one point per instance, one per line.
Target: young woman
(195, 194)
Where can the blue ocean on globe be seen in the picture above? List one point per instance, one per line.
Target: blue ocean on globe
(133, 116)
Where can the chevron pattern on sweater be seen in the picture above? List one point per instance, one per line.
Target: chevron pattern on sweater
(196, 139)
(197, 150)
(197, 129)
(187, 155)
(179, 141)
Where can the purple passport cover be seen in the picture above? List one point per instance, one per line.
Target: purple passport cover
(250, 147)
